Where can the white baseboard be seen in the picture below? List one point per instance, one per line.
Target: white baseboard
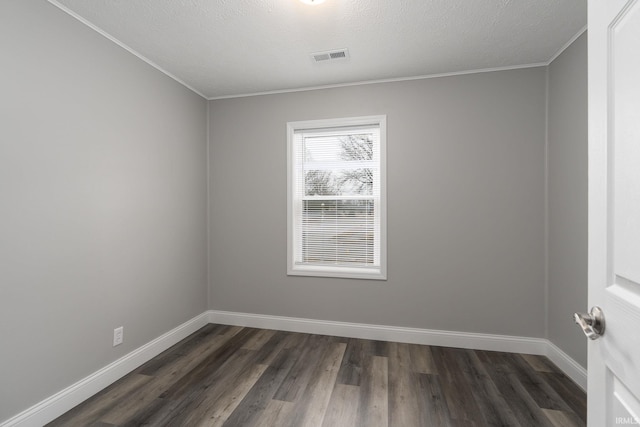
(385, 333)
(56, 405)
(570, 367)
(509, 344)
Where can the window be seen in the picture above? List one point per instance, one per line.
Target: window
(336, 198)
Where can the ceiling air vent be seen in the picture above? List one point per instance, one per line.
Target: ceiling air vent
(330, 55)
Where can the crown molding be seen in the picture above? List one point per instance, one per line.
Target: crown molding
(124, 46)
(567, 44)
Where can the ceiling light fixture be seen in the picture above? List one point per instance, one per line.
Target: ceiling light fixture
(312, 2)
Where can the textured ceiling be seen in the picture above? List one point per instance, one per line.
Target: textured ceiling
(224, 48)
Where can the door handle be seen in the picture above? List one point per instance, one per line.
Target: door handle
(592, 324)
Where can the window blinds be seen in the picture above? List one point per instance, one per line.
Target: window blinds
(337, 197)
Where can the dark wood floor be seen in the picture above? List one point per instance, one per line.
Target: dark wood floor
(234, 376)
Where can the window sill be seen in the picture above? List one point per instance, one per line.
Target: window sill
(337, 272)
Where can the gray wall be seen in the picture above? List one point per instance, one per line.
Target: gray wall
(465, 195)
(102, 202)
(567, 181)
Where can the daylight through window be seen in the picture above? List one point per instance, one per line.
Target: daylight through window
(336, 197)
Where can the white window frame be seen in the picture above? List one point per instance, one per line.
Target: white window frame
(298, 269)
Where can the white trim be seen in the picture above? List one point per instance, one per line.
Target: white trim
(209, 198)
(54, 406)
(122, 45)
(567, 365)
(391, 80)
(546, 202)
(567, 44)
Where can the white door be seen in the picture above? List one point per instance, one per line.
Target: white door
(614, 210)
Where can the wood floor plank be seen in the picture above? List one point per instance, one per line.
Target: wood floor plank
(256, 400)
(539, 363)
(432, 400)
(272, 348)
(218, 413)
(458, 392)
(573, 395)
(379, 348)
(174, 364)
(237, 376)
(296, 339)
(201, 366)
(563, 419)
(352, 363)
(103, 402)
(207, 392)
(496, 360)
(275, 414)
(190, 344)
(373, 408)
(316, 396)
(544, 395)
(493, 407)
(422, 359)
(259, 339)
(342, 410)
(187, 371)
(525, 409)
(126, 409)
(154, 414)
(296, 382)
(404, 409)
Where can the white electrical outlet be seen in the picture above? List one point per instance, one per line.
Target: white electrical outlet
(118, 336)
